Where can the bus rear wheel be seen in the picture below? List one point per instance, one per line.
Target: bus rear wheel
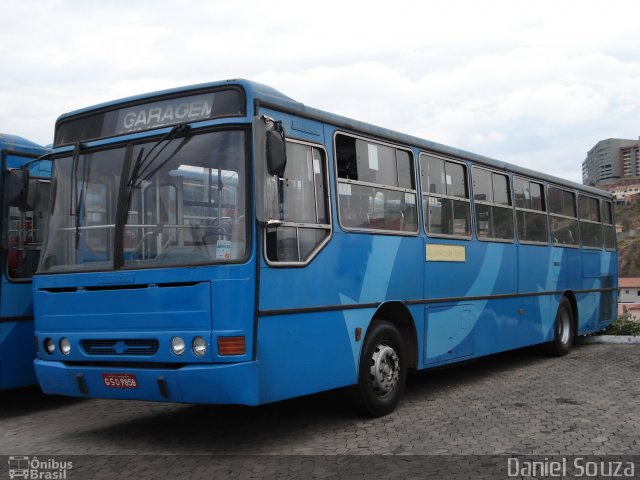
(383, 370)
(563, 329)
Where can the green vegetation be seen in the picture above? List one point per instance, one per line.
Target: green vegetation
(628, 248)
(622, 326)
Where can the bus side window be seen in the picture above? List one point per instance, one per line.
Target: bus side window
(609, 230)
(376, 186)
(492, 199)
(445, 197)
(564, 218)
(303, 225)
(531, 214)
(590, 225)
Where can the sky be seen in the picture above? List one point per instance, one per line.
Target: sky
(534, 83)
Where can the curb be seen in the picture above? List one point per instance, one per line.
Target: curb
(617, 339)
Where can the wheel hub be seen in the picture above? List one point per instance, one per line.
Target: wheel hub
(385, 369)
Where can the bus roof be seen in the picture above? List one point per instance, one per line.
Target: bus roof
(263, 95)
(20, 144)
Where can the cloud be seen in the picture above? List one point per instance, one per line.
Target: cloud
(534, 83)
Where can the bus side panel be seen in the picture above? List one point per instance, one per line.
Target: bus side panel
(315, 351)
(608, 300)
(306, 353)
(488, 269)
(351, 269)
(588, 303)
(448, 333)
(15, 299)
(17, 352)
(502, 327)
(572, 263)
(565, 274)
(539, 271)
(597, 310)
(475, 327)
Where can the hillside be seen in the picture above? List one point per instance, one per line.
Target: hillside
(629, 248)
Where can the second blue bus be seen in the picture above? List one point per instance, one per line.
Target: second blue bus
(22, 232)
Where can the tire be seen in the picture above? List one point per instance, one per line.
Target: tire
(383, 371)
(563, 329)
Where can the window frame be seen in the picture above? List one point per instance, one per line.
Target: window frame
(297, 225)
(511, 205)
(591, 222)
(604, 202)
(345, 181)
(424, 193)
(576, 218)
(545, 212)
(129, 142)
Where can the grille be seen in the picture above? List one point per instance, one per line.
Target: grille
(138, 347)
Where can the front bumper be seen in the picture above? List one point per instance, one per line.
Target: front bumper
(233, 383)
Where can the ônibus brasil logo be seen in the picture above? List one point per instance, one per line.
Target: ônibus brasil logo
(35, 469)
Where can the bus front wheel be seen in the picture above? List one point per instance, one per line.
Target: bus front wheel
(383, 370)
(563, 329)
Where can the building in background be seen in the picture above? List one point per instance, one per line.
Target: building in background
(630, 160)
(609, 160)
(624, 191)
(629, 290)
(629, 298)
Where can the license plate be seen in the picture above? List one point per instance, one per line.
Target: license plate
(119, 380)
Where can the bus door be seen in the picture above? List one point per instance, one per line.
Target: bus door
(23, 223)
(591, 240)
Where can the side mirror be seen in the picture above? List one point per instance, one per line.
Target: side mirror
(270, 160)
(13, 186)
(276, 150)
(17, 188)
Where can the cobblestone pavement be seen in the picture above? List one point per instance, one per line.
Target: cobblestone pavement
(518, 403)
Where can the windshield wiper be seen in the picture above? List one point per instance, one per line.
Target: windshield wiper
(74, 177)
(130, 181)
(142, 164)
(77, 199)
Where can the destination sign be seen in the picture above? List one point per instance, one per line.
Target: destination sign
(147, 115)
(167, 112)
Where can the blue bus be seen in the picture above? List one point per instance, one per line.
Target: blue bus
(223, 243)
(22, 233)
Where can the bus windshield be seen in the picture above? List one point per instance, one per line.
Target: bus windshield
(185, 201)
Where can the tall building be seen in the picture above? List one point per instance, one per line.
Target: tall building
(604, 161)
(630, 160)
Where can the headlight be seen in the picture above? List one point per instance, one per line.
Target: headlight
(177, 345)
(199, 346)
(65, 346)
(49, 346)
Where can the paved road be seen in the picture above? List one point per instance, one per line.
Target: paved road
(518, 403)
